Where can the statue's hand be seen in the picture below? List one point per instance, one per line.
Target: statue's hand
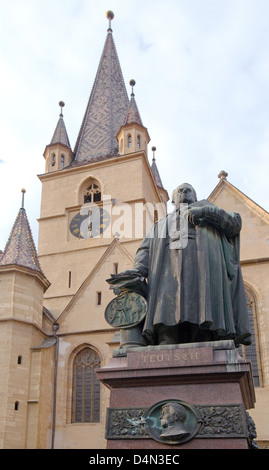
(127, 277)
(196, 215)
(125, 274)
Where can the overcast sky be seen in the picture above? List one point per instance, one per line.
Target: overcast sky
(202, 88)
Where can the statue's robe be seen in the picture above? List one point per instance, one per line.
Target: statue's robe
(199, 284)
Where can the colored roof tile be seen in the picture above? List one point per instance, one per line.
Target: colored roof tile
(20, 249)
(60, 134)
(106, 109)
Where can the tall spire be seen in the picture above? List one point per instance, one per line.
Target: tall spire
(106, 109)
(60, 134)
(20, 249)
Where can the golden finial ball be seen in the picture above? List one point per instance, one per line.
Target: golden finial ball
(110, 15)
(23, 190)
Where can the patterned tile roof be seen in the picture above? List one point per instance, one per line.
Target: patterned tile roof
(156, 174)
(133, 116)
(60, 134)
(20, 249)
(106, 109)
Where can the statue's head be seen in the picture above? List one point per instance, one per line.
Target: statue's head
(184, 193)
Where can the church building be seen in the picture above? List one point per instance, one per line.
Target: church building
(98, 200)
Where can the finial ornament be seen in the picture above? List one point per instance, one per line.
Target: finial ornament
(153, 150)
(61, 104)
(110, 16)
(132, 83)
(23, 191)
(222, 175)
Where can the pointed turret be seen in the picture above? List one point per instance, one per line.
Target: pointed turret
(20, 249)
(60, 134)
(155, 171)
(132, 136)
(133, 115)
(157, 178)
(106, 109)
(58, 153)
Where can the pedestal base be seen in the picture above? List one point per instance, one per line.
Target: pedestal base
(188, 396)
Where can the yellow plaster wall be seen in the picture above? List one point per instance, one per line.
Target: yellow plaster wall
(21, 296)
(254, 233)
(254, 249)
(79, 435)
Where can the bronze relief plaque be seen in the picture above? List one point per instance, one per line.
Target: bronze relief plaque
(173, 421)
(128, 309)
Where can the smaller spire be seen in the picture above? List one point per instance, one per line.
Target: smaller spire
(60, 134)
(110, 16)
(155, 171)
(133, 115)
(20, 249)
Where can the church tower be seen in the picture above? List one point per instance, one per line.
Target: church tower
(109, 167)
(22, 286)
(97, 202)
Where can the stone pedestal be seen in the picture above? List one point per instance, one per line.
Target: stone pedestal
(210, 382)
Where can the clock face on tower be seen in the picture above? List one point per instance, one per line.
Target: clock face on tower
(90, 225)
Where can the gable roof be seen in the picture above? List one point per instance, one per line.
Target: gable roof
(225, 184)
(111, 248)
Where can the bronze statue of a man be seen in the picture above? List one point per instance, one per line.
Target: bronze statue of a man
(190, 259)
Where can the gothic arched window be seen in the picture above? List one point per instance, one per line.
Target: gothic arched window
(138, 141)
(93, 192)
(62, 161)
(86, 387)
(252, 352)
(129, 141)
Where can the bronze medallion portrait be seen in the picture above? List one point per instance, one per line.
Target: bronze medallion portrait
(173, 421)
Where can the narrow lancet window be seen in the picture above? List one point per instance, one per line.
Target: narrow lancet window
(86, 387)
